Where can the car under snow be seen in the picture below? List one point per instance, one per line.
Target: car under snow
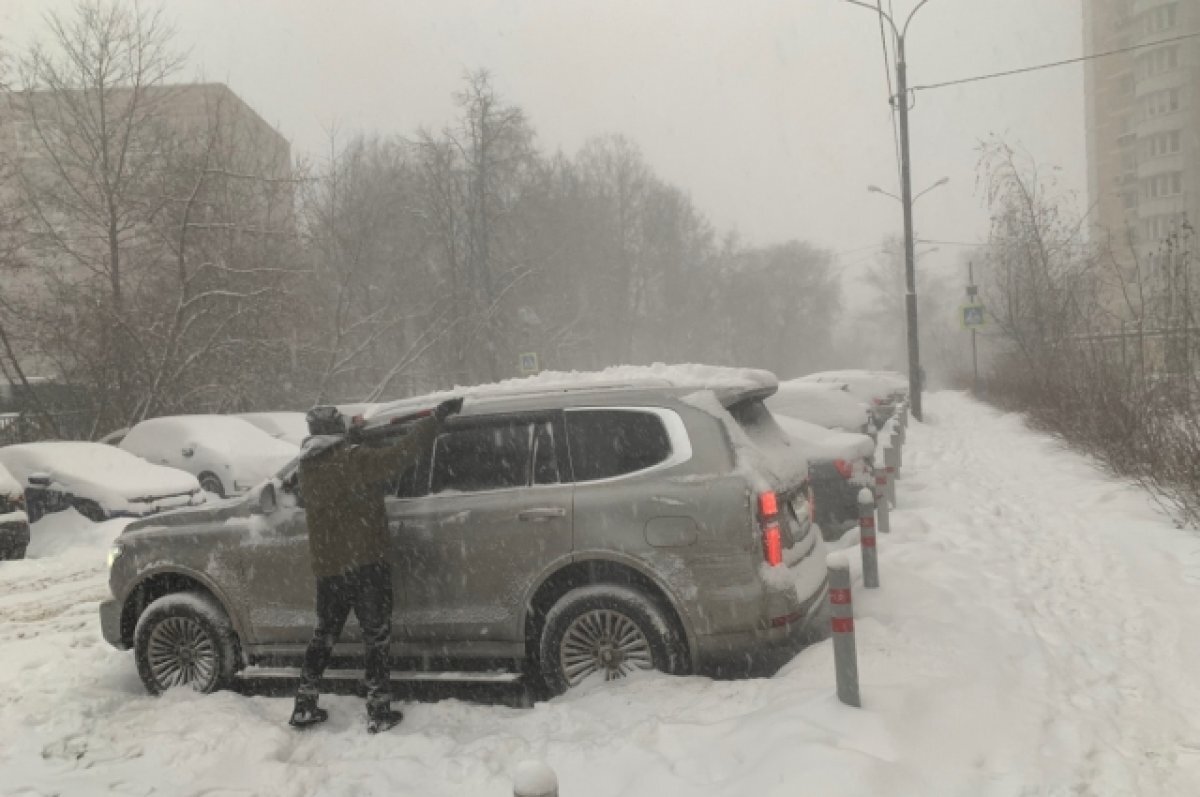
(226, 454)
(828, 404)
(14, 523)
(99, 481)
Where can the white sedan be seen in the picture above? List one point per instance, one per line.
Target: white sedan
(227, 454)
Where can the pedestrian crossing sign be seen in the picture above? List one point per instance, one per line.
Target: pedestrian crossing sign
(972, 315)
(529, 363)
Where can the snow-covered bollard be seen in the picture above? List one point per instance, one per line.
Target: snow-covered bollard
(898, 446)
(534, 779)
(882, 507)
(903, 410)
(841, 622)
(889, 464)
(866, 538)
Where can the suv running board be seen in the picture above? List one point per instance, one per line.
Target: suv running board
(446, 676)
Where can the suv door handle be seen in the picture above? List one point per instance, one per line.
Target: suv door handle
(541, 514)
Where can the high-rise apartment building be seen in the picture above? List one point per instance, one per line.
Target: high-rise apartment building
(1143, 120)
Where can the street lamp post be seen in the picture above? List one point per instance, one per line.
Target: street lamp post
(910, 279)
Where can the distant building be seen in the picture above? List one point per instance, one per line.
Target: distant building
(1143, 120)
(203, 123)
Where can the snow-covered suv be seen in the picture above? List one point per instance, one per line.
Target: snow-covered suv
(577, 531)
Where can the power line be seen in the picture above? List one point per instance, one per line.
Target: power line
(1053, 64)
(887, 75)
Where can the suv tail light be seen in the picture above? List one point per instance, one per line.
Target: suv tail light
(772, 536)
(844, 468)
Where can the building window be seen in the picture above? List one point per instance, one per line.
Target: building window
(1163, 185)
(1161, 19)
(1129, 199)
(1158, 61)
(1160, 102)
(1162, 144)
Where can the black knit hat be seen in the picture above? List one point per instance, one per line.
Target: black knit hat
(325, 420)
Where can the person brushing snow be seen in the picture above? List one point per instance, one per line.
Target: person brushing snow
(347, 536)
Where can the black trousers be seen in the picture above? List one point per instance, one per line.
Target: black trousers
(368, 591)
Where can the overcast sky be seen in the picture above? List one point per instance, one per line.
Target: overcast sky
(772, 113)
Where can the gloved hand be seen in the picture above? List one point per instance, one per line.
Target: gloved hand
(447, 408)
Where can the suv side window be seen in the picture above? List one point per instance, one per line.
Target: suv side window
(485, 456)
(608, 443)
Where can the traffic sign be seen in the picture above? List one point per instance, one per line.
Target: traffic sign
(972, 315)
(529, 363)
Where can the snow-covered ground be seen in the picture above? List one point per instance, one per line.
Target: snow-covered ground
(1037, 632)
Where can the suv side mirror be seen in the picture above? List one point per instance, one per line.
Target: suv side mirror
(39, 480)
(189, 451)
(267, 502)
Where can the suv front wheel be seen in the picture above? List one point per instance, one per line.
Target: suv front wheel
(184, 639)
(605, 632)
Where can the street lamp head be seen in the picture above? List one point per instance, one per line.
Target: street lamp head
(874, 189)
(942, 181)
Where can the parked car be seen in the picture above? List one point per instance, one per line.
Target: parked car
(14, 523)
(289, 427)
(97, 480)
(114, 437)
(228, 455)
(882, 389)
(827, 404)
(571, 533)
(839, 465)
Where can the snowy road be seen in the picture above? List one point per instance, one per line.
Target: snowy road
(1036, 633)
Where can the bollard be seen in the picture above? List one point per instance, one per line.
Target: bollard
(841, 621)
(534, 779)
(881, 501)
(904, 414)
(899, 447)
(866, 538)
(889, 462)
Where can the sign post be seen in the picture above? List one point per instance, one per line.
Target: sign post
(972, 316)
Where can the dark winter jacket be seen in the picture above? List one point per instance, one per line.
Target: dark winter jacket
(342, 486)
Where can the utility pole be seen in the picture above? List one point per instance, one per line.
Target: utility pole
(900, 102)
(910, 259)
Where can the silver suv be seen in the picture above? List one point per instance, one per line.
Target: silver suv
(568, 534)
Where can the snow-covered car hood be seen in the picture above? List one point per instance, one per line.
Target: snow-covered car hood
(115, 479)
(826, 404)
(819, 443)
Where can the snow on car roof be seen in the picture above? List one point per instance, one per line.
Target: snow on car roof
(111, 468)
(217, 431)
(659, 375)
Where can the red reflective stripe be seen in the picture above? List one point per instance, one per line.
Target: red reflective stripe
(881, 480)
(866, 522)
(842, 625)
(868, 542)
(839, 596)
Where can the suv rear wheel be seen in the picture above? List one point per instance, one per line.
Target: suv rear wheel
(605, 631)
(185, 639)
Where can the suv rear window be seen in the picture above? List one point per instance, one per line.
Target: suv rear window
(608, 443)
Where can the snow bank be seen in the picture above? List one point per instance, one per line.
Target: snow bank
(68, 531)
